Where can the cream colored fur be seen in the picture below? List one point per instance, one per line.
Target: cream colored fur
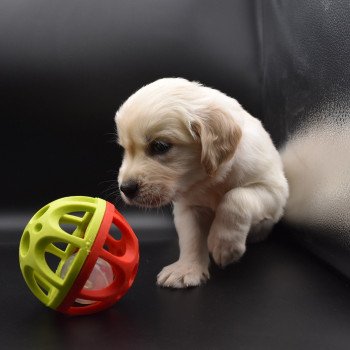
(222, 173)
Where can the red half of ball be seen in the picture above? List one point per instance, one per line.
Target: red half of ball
(123, 256)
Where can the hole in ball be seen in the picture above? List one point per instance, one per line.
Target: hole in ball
(38, 227)
(25, 241)
(115, 232)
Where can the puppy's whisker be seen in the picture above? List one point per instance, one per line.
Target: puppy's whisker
(111, 187)
(111, 190)
(107, 181)
(112, 137)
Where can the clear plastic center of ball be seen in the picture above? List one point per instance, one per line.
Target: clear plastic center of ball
(100, 277)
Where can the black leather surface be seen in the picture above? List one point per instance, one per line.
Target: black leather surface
(277, 297)
(305, 63)
(306, 82)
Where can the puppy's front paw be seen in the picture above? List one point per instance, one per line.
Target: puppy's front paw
(224, 250)
(182, 275)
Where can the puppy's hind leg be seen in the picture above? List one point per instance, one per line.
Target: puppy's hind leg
(191, 269)
(241, 209)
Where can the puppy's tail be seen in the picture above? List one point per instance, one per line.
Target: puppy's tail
(317, 167)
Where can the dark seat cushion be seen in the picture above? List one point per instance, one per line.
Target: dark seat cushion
(278, 296)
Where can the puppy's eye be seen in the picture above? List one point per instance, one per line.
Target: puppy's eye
(159, 147)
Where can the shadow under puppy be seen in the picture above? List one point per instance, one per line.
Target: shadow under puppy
(198, 148)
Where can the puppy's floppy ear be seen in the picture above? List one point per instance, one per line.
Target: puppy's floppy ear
(219, 135)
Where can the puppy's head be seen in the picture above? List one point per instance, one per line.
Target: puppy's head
(175, 133)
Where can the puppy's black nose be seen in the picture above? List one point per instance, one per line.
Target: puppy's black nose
(129, 188)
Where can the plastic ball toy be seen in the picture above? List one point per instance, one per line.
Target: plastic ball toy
(71, 258)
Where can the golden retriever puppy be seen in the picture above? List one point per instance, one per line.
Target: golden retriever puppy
(199, 149)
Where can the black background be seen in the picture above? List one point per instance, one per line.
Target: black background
(65, 68)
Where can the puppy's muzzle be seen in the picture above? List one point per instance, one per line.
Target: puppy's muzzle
(130, 189)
